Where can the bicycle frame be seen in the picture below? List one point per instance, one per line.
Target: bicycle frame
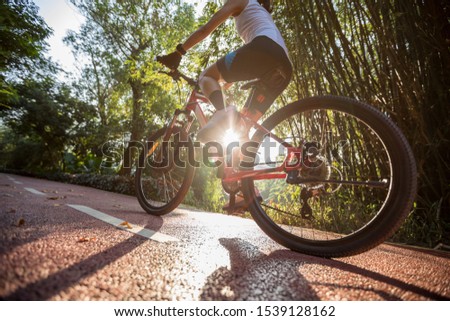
(292, 161)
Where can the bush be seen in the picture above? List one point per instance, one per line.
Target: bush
(111, 183)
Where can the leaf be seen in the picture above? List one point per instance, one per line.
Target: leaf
(21, 222)
(126, 224)
(53, 198)
(86, 239)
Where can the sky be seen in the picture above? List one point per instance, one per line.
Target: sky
(62, 16)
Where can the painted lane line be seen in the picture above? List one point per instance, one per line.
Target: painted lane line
(35, 191)
(150, 234)
(12, 179)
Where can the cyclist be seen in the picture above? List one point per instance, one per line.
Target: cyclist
(264, 56)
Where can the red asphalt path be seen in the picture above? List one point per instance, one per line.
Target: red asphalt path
(50, 250)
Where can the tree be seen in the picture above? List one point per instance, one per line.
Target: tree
(101, 84)
(101, 74)
(22, 42)
(137, 31)
(43, 121)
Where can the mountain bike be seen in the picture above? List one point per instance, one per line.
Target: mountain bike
(327, 176)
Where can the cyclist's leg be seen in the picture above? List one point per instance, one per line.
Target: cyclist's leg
(223, 118)
(251, 61)
(267, 90)
(263, 59)
(209, 83)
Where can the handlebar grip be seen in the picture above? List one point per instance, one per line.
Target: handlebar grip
(160, 59)
(174, 73)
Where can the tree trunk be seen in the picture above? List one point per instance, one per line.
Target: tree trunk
(137, 129)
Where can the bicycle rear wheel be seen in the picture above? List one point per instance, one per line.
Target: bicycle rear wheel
(356, 185)
(164, 173)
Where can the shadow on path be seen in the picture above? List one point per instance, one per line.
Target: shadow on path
(254, 275)
(55, 283)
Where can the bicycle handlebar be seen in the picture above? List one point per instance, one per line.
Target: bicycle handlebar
(175, 74)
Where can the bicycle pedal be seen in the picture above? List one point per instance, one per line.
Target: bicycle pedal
(236, 208)
(233, 206)
(240, 206)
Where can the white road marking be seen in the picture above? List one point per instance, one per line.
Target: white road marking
(12, 179)
(150, 234)
(34, 191)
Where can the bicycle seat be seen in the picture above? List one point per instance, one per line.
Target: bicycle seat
(250, 84)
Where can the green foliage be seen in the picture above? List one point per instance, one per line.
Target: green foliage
(22, 40)
(394, 55)
(22, 35)
(426, 229)
(207, 192)
(42, 122)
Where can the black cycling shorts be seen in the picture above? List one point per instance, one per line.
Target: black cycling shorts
(260, 59)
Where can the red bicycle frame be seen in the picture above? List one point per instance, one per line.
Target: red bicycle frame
(292, 161)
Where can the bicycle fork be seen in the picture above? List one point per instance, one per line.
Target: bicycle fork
(176, 126)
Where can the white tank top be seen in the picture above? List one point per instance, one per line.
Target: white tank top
(255, 21)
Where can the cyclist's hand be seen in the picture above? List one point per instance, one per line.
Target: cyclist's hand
(171, 61)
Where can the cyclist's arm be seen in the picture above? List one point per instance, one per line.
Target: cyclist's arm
(230, 8)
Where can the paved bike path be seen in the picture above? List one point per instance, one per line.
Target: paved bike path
(67, 242)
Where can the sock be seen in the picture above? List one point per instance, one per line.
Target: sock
(216, 98)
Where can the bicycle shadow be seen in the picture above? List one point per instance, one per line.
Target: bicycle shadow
(254, 275)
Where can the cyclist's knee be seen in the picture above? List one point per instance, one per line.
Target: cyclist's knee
(209, 79)
(212, 72)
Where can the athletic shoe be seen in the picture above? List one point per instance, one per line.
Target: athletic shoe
(221, 121)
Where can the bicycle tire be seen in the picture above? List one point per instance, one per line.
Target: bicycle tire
(156, 195)
(400, 193)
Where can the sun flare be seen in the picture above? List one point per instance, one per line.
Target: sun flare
(230, 137)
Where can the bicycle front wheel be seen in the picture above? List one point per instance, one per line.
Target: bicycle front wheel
(164, 173)
(356, 184)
